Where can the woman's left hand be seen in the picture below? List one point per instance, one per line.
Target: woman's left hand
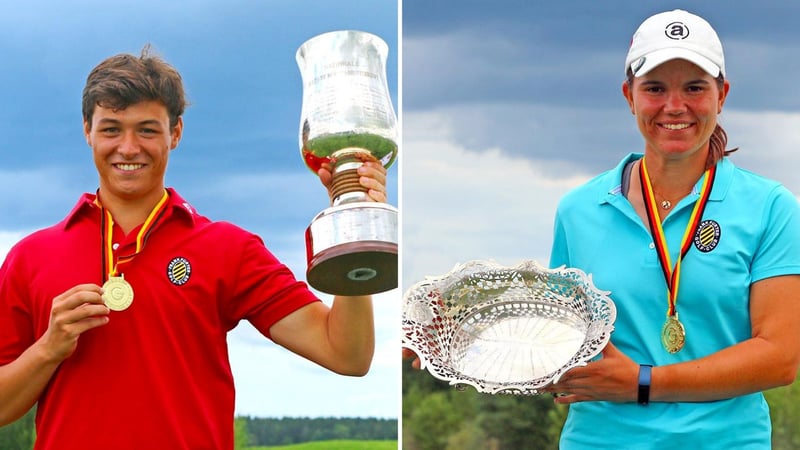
(614, 377)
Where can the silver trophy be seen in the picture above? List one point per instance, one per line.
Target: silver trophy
(510, 330)
(347, 119)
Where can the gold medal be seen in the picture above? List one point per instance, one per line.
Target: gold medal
(673, 335)
(118, 294)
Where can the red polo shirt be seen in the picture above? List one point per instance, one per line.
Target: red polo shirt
(157, 376)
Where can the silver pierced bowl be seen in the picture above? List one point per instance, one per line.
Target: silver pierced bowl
(511, 330)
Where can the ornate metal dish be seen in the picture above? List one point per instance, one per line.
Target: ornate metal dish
(510, 330)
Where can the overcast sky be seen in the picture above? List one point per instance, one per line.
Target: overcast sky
(238, 161)
(509, 104)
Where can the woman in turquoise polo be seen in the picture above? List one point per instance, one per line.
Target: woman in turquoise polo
(702, 259)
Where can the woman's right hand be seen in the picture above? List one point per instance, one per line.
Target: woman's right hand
(408, 353)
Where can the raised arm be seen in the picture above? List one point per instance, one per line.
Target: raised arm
(340, 338)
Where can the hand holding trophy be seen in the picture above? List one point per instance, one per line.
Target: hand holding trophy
(347, 119)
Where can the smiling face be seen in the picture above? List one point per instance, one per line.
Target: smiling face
(131, 148)
(676, 107)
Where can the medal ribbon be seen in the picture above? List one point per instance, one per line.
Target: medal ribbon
(107, 232)
(672, 276)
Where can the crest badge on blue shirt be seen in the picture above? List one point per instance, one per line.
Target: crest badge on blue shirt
(707, 236)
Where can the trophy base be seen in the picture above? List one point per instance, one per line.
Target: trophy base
(352, 249)
(355, 268)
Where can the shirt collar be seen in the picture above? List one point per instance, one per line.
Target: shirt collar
(614, 179)
(722, 180)
(86, 208)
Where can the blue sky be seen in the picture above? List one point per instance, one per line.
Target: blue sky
(238, 161)
(509, 104)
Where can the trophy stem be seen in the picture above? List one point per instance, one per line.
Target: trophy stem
(345, 186)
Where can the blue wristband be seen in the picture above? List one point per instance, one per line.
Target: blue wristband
(644, 383)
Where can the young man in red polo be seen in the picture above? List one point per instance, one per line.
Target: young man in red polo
(111, 372)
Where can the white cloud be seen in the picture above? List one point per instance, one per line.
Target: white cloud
(7, 240)
(459, 205)
(271, 381)
(769, 143)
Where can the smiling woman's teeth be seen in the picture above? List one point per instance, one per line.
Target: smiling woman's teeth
(675, 126)
(128, 166)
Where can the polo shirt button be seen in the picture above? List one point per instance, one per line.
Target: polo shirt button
(652, 245)
(116, 246)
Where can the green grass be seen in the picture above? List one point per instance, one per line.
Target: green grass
(334, 445)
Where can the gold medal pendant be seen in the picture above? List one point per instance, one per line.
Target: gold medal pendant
(118, 294)
(673, 335)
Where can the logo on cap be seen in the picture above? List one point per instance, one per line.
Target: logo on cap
(638, 64)
(677, 31)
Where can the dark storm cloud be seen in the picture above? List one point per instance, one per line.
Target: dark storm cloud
(571, 53)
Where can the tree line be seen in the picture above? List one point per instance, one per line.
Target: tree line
(438, 416)
(249, 431)
(289, 430)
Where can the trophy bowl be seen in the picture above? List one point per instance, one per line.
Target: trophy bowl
(510, 330)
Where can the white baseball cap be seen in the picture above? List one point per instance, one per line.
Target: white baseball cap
(675, 34)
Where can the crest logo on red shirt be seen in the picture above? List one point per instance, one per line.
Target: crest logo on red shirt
(179, 270)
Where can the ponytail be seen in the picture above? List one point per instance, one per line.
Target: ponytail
(716, 146)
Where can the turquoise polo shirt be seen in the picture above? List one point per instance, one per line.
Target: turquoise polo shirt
(750, 231)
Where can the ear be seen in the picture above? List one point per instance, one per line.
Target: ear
(176, 133)
(723, 94)
(87, 130)
(628, 93)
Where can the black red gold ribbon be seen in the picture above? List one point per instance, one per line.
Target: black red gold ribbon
(111, 264)
(672, 275)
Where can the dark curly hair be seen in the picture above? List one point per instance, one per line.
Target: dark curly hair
(124, 79)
